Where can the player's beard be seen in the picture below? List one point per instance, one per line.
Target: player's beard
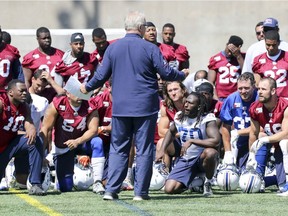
(264, 99)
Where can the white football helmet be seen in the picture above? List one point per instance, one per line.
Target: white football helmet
(250, 181)
(159, 176)
(45, 179)
(228, 177)
(83, 177)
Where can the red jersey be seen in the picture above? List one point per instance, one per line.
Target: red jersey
(83, 68)
(9, 64)
(103, 104)
(37, 60)
(216, 107)
(69, 124)
(277, 69)
(175, 55)
(271, 122)
(227, 72)
(12, 119)
(170, 112)
(99, 55)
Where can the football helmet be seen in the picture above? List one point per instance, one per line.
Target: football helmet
(159, 176)
(250, 181)
(45, 179)
(83, 177)
(228, 177)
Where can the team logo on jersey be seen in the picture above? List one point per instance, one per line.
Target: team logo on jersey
(106, 103)
(262, 61)
(259, 110)
(237, 105)
(107, 119)
(62, 107)
(36, 56)
(217, 58)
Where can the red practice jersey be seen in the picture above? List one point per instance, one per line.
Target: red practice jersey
(9, 64)
(266, 67)
(83, 68)
(12, 119)
(175, 55)
(70, 124)
(103, 104)
(37, 60)
(227, 73)
(270, 121)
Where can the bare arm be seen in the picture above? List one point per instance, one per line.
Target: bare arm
(168, 139)
(226, 137)
(257, 78)
(48, 123)
(27, 76)
(163, 124)
(59, 90)
(254, 132)
(212, 79)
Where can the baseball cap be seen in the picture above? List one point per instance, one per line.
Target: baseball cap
(270, 22)
(77, 37)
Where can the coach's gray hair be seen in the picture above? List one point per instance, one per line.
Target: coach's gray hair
(134, 20)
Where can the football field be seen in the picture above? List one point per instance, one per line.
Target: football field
(18, 203)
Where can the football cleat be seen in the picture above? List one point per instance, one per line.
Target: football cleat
(207, 189)
(98, 188)
(127, 185)
(45, 180)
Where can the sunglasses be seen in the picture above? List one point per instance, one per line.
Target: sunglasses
(258, 33)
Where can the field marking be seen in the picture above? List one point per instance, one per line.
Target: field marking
(133, 208)
(33, 202)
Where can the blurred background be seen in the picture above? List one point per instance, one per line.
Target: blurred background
(203, 26)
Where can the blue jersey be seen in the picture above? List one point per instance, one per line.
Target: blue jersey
(235, 112)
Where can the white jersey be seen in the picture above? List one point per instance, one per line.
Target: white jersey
(257, 49)
(38, 108)
(190, 129)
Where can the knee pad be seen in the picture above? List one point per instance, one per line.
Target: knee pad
(66, 184)
(284, 146)
(97, 147)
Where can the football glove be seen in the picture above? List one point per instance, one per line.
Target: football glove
(251, 162)
(258, 144)
(228, 158)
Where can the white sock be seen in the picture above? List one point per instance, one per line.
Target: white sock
(129, 173)
(207, 180)
(98, 168)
